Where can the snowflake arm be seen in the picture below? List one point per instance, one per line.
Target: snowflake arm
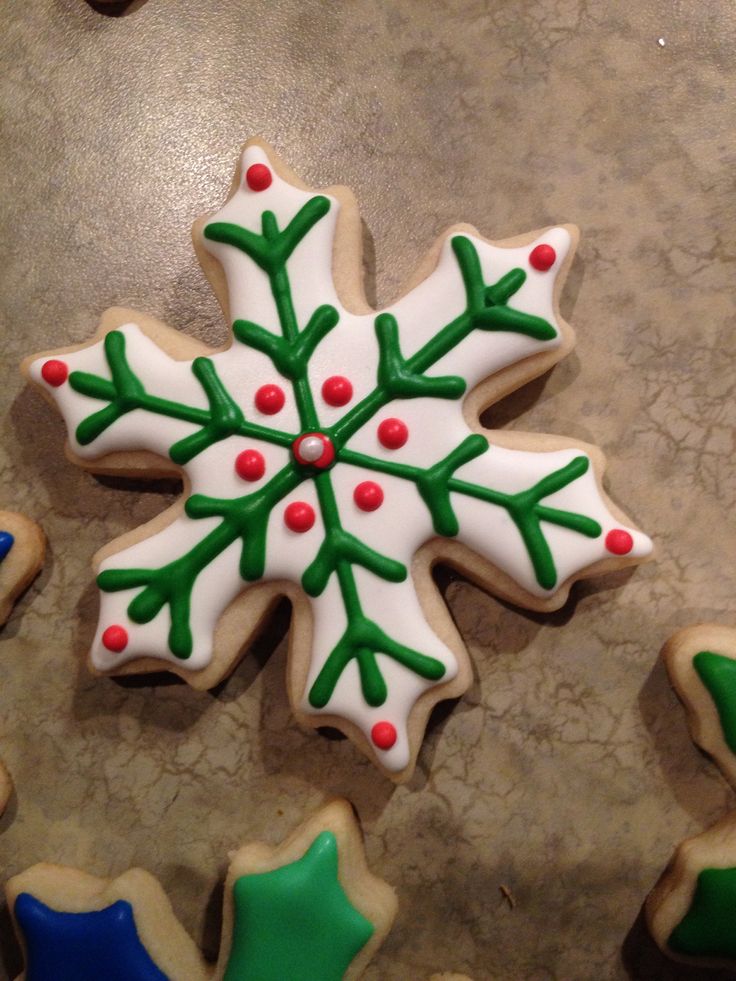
(370, 458)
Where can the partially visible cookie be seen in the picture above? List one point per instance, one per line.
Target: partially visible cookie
(307, 910)
(22, 548)
(6, 787)
(701, 662)
(690, 911)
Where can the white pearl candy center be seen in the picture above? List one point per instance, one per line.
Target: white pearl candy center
(311, 449)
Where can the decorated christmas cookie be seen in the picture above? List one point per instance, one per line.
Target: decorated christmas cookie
(22, 547)
(691, 911)
(701, 662)
(332, 453)
(309, 910)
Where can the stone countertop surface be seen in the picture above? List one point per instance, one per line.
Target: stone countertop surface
(566, 774)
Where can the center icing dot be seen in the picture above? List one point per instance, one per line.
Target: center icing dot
(314, 450)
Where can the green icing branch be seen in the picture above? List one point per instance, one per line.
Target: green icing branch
(125, 392)
(525, 508)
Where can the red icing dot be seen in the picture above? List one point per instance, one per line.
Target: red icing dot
(619, 542)
(542, 257)
(54, 373)
(258, 177)
(115, 638)
(337, 390)
(393, 433)
(383, 735)
(270, 399)
(299, 516)
(250, 465)
(368, 495)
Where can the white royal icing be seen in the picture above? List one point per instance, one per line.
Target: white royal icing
(402, 523)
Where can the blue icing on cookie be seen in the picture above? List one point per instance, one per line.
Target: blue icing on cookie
(6, 543)
(103, 944)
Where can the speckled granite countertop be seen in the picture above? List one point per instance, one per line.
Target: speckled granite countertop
(566, 774)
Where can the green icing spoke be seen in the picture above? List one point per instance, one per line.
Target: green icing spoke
(527, 514)
(125, 392)
(272, 249)
(226, 418)
(290, 358)
(486, 309)
(296, 923)
(248, 516)
(708, 929)
(340, 548)
(244, 517)
(395, 376)
(363, 638)
(718, 674)
(487, 305)
(436, 482)
(172, 585)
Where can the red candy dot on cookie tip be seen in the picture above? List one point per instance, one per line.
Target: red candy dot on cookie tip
(337, 390)
(393, 433)
(368, 495)
(115, 638)
(542, 257)
(270, 399)
(299, 516)
(250, 465)
(383, 735)
(54, 373)
(619, 541)
(258, 177)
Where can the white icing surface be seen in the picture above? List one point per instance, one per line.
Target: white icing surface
(402, 523)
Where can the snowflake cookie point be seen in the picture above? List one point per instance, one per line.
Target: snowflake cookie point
(348, 410)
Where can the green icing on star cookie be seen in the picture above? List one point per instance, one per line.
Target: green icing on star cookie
(718, 674)
(296, 921)
(708, 929)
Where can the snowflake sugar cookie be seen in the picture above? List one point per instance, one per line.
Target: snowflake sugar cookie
(331, 452)
(309, 910)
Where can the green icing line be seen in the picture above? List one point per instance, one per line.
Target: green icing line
(363, 638)
(486, 309)
(718, 674)
(296, 923)
(525, 508)
(125, 392)
(708, 929)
